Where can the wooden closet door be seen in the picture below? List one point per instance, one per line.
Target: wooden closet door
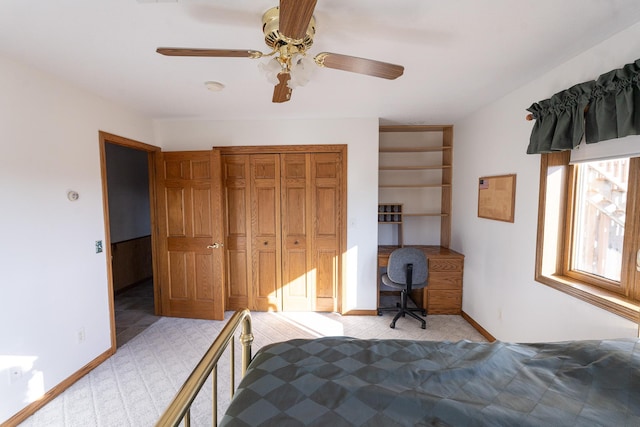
(326, 187)
(283, 230)
(297, 276)
(265, 233)
(235, 175)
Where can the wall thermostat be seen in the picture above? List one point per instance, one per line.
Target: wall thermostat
(73, 195)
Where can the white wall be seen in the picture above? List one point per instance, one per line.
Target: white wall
(52, 283)
(499, 290)
(361, 137)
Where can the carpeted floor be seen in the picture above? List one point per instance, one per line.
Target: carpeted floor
(133, 387)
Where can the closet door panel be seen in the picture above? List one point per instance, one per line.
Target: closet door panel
(236, 219)
(238, 290)
(327, 268)
(296, 280)
(326, 182)
(265, 231)
(235, 178)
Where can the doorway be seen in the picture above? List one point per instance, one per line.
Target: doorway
(128, 199)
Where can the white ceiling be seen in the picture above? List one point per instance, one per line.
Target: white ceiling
(458, 54)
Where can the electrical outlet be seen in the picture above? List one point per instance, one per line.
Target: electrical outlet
(15, 374)
(81, 336)
(98, 246)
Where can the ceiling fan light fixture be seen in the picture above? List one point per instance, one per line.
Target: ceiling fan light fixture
(271, 69)
(214, 86)
(301, 72)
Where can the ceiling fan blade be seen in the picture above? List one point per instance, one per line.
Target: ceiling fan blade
(359, 65)
(295, 16)
(223, 53)
(282, 92)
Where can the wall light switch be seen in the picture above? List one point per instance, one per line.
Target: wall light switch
(98, 246)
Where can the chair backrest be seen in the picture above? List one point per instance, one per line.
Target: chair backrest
(398, 261)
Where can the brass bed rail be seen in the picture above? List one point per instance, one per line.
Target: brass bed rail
(180, 407)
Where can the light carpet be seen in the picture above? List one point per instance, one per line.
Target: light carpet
(135, 385)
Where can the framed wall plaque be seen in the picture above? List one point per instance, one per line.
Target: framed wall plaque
(496, 197)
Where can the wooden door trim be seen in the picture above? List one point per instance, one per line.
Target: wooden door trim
(342, 290)
(282, 149)
(151, 150)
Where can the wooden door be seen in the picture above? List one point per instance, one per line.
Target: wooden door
(297, 276)
(265, 232)
(284, 228)
(235, 174)
(326, 213)
(252, 224)
(190, 230)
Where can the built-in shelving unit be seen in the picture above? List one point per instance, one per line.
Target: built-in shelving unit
(415, 169)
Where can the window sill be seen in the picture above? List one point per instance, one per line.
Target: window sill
(599, 297)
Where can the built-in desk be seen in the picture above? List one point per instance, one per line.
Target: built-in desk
(443, 294)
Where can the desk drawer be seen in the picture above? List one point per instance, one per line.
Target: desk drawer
(444, 301)
(445, 264)
(444, 280)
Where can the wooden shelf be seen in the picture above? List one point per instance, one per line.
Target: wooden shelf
(411, 158)
(425, 214)
(412, 168)
(414, 186)
(412, 149)
(414, 128)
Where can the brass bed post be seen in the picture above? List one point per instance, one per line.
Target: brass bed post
(246, 338)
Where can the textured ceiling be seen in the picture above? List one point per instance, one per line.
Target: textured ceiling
(458, 54)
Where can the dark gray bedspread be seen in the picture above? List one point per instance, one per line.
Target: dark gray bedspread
(343, 381)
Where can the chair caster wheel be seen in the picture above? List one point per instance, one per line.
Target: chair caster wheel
(379, 312)
(424, 313)
(424, 326)
(392, 326)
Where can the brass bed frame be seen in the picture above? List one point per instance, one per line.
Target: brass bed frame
(180, 407)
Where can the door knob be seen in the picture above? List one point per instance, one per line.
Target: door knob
(215, 245)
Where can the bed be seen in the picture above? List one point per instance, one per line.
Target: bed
(344, 381)
(341, 381)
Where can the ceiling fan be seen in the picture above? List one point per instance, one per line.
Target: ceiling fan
(289, 30)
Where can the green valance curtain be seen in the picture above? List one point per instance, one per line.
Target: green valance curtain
(601, 109)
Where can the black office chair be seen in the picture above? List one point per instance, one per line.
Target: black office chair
(407, 270)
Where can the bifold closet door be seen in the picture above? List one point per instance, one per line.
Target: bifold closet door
(326, 187)
(283, 230)
(265, 233)
(235, 177)
(252, 224)
(311, 215)
(297, 274)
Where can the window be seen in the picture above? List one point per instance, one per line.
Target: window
(588, 234)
